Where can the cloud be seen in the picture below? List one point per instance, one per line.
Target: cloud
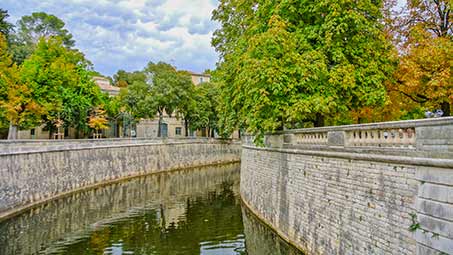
(126, 34)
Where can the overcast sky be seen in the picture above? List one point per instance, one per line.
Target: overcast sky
(127, 34)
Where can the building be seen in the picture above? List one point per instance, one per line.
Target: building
(200, 78)
(171, 127)
(105, 86)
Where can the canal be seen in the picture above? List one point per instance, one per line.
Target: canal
(192, 211)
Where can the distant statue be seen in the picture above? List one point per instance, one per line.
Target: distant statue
(438, 113)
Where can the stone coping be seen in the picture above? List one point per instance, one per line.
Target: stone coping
(405, 160)
(72, 147)
(101, 140)
(379, 125)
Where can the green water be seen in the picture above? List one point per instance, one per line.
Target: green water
(196, 211)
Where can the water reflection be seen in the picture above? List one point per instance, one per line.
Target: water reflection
(194, 211)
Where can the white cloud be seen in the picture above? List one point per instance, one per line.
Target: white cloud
(126, 34)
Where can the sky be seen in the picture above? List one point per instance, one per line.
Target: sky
(127, 34)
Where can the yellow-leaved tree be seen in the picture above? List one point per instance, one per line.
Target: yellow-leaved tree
(18, 105)
(423, 75)
(98, 121)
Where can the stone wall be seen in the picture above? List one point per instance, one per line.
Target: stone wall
(381, 188)
(32, 176)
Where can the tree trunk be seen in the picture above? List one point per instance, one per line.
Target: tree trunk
(319, 121)
(77, 134)
(159, 133)
(212, 132)
(51, 131)
(446, 108)
(12, 132)
(186, 127)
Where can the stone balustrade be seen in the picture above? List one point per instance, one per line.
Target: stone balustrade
(311, 138)
(395, 138)
(412, 135)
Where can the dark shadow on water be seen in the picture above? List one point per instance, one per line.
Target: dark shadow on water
(195, 211)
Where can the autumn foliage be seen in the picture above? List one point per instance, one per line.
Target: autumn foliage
(98, 120)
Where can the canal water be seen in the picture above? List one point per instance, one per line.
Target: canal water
(193, 211)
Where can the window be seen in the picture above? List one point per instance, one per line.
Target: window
(201, 79)
(178, 131)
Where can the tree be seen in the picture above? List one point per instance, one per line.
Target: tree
(284, 63)
(199, 109)
(434, 16)
(205, 114)
(98, 121)
(61, 82)
(123, 79)
(19, 105)
(170, 90)
(137, 100)
(30, 29)
(424, 70)
(5, 27)
(79, 98)
(424, 74)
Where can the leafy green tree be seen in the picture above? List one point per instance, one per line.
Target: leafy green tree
(286, 63)
(5, 27)
(123, 78)
(31, 28)
(79, 98)
(204, 112)
(60, 80)
(137, 100)
(159, 89)
(170, 89)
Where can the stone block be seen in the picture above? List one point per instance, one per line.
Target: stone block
(439, 243)
(336, 138)
(436, 227)
(428, 174)
(436, 209)
(434, 137)
(438, 192)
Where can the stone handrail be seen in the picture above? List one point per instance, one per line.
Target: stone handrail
(35, 145)
(412, 135)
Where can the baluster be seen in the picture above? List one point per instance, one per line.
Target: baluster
(385, 138)
(412, 136)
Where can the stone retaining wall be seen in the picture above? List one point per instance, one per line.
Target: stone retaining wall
(33, 176)
(382, 188)
(74, 217)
